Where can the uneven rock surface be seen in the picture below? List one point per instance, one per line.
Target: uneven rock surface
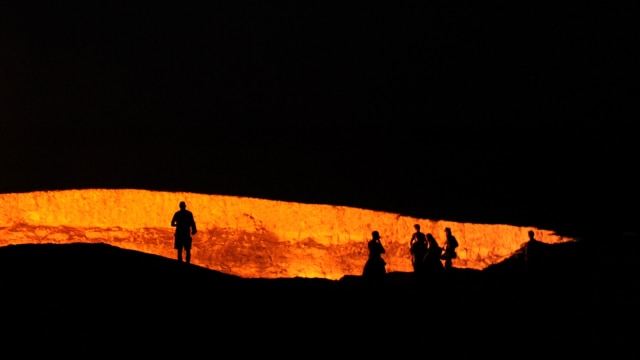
(245, 236)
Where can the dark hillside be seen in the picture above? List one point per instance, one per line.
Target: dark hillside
(108, 299)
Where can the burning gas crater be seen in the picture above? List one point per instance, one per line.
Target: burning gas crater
(248, 237)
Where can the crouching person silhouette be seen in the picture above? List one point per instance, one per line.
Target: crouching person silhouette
(375, 267)
(185, 226)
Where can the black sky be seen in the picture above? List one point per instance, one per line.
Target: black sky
(501, 111)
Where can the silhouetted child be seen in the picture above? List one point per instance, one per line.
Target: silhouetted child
(450, 245)
(375, 267)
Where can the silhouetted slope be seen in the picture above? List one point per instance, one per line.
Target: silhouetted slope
(103, 299)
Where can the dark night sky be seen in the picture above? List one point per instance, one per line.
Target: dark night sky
(499, 112)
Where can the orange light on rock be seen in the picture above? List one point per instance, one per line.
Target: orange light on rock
(247, 237)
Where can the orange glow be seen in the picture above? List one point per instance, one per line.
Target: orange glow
(245, 236)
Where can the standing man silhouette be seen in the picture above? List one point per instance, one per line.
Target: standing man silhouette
(418, 248)
(185, 227)
(530, 248)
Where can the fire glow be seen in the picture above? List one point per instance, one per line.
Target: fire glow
(248, 237)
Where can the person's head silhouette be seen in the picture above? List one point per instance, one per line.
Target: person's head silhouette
(375, 235)
(417, 227)
(183, 205)
(531, 235)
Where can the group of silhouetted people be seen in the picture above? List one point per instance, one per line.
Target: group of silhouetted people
(427, 255)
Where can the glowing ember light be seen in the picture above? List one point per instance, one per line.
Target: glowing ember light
(245, 236)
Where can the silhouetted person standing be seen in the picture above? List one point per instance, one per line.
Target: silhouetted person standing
(418, 249)
(529, 250)
(417, 235)
(185, 226)
(374, 269)
(450, 245)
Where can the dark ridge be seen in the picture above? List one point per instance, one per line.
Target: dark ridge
(109, 299)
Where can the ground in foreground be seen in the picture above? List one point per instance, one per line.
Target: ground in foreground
(96, 298)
